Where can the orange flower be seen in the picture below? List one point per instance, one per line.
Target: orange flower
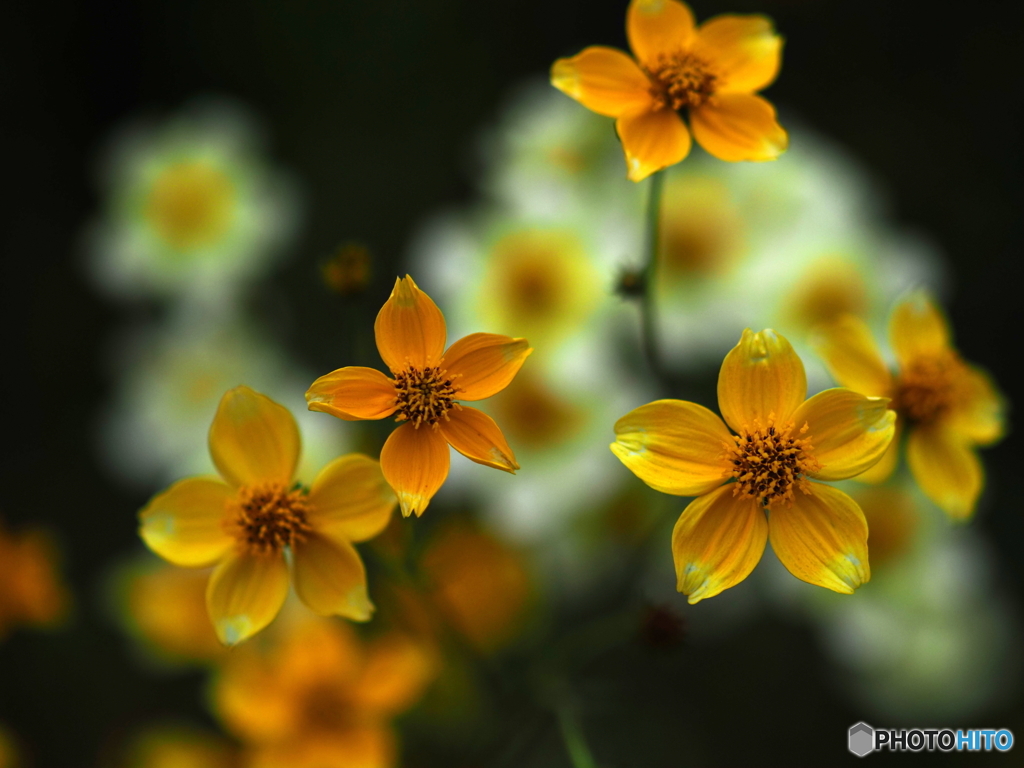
(712, 72)
(31, 591)
(411, 335)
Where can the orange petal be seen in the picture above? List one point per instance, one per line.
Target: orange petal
(738, 126)
(849, 431)
(822, 539)
(658, 28)
(244, 595)
(603, 80)
(744, 51)
(761, 377)
(674, 446)
(350, 499)
(353, 393)
(652, 141)
(852, 357)
(396, 672)
(979, 416)
(365, 745)
(476, 436)
(946, 468)
(330, 578)
(918, 329)
(885, 466)
(410, 329)
(253, 439)
(716, 543)
(483, 364)
(415, 464)
(185, 523)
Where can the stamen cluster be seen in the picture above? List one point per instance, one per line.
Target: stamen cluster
(424, 395)
(682, 80)
(928, 388)
(770, 461)
(270, 517)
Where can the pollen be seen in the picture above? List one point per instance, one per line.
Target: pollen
(682, 80)
(928, 387)
(769, 461)
(424, 396)
(270, 517)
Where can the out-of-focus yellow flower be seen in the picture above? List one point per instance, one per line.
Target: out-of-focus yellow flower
(348, 270)
(178, 747)
(830, 288)
(411, 334)
(782, 439)
(247, 522)
(536, 415)
(320, 697)
(947, 406)
(31, 591)
(8, 749)
(893, 521)
(712, 72)
(701, 232)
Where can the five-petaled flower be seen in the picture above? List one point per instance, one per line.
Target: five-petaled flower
(754, 486)
(947, 406)
(428, 380)
(712, 72)
(248, 522)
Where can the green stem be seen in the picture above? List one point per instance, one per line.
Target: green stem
(575, 741)
(647, 307)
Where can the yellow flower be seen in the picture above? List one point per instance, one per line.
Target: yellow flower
(31, 592)
(174, 746)
(781, 441)
(247, 522)
(411, 335)
(947, 406)
(712, 72)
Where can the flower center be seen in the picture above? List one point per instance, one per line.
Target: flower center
(191, 204)
(270, 517)
(326, 709)
(769, 461)
(424, 395)
(928, 387)
(682, 80)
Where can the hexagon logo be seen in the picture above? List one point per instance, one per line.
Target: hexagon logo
(862, 739)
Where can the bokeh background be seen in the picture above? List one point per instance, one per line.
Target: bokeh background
(375, 110)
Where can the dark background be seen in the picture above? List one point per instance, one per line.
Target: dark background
(375, 106)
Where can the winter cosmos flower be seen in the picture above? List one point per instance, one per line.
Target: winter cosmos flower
(756, 485)
(256, 519)
(711, 72)
(428, 380)
(947, 406)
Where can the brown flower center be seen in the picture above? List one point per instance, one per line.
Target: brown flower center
(927, 388)
(326, 709)
(770, 461)
(424, 395)
(269, 517)
(191, 204)
(681, 80)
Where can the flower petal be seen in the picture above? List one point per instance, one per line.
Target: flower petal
(761, 377)
(849, 432)
(603, 80)
(185, 523)
(330, 578)
(738, 126)
(674, 446)
(652, 141)
(362, 745)
(410, 329)
(476, 436)
(415, 464)
(353, 393)
(396, 672)
(946, 468)
(483, 364)
(917, 329)
(244, 594)
(350, 499)
(822, 538)
(716, 543)
(980, 414)
(658, 28)
(744, 49)
(253, 439)
(852, 357)
(885, 466)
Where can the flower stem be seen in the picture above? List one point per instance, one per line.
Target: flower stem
(575, 741)
(649, 327)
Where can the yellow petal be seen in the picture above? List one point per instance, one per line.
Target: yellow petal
(849, 431)
(350, 499)
(917, 329)
(330, 578)
(946, 468)
(483, 364)
(822, 539)
(652, 141)
(743, 50)
(244, 594)
(476, 436)
(396, 672)
(603, 80)
(716, 543)
(410, 329)
(363, 745)
(253, 439)
(185, 523)
(885, 466)
(353, 393)
(674, 446)
(979, 414)
(658, 28)
(415, 464)
(738, 126)
(760, 377)
(852, 357)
